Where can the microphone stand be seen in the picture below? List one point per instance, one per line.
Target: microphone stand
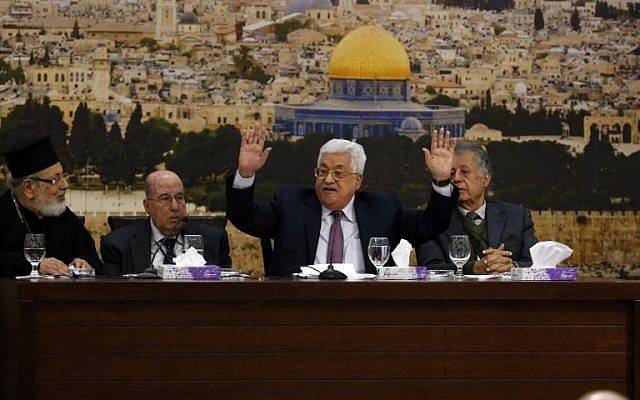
(151, 272)
(330, 273)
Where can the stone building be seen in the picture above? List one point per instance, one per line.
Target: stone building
(369, 93)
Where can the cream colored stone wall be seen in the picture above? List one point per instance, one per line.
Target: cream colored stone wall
(595, 236)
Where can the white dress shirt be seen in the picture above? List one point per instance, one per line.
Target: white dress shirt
(352, 252)
(156, 240)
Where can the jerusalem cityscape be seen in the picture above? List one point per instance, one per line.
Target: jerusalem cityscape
(551, 88)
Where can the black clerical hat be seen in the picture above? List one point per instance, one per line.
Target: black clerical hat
(28, 155)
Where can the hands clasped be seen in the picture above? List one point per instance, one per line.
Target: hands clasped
(494, 261)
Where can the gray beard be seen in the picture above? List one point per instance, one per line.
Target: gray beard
(52, 209)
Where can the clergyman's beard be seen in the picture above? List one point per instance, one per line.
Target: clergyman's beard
(52, 209)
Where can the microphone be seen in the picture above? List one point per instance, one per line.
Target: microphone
(151, 272)
(331, 273)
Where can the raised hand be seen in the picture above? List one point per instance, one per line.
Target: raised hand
(252, 155)
(440, 159)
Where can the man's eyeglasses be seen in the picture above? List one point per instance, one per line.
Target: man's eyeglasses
(166, 200)
(53, 181)
(338, 174)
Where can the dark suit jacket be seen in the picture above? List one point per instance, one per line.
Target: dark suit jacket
(506, 223)
(293, 218)
(128, 250)
(65, 235)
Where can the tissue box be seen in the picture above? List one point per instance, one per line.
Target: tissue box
(544, 274)
(402, 273)
(201, 273)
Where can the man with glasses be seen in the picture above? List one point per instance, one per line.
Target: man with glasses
(334, 222)
(136, 247)
(35, 203)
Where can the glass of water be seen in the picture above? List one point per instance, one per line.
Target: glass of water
(34, 250)
(459, 253)
(379, 251)
(194, 241)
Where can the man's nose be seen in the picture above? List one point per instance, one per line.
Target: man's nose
(329, 178)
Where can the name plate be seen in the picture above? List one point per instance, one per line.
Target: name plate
(544, 274)
(402, 273)
(185, 273)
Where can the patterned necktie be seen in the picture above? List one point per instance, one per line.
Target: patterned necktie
(336, 241)
(169, 244)
(473, 217)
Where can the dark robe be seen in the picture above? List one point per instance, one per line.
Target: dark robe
(66, 238)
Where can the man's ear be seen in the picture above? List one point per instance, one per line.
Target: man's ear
(486, 180)
(359, 184)
(28, 189)
(145, 203)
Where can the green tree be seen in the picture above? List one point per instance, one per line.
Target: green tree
(8, 74)
(149, 43)
(113, 163)
(443, 100)
(285, 28)
(538, 20)
(97, 138)
(134, 142)
(160, 137)
(46, 59)
(80, 135)
(38, 119)
(191, 158)
(226, 146)
(75, 32)
(246, 67)
(575, 20)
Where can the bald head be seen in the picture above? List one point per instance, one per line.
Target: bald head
(165, 202)
(157, 179)
(603, 395)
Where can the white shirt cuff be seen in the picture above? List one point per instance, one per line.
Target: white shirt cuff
(242, 183)
(443, 190)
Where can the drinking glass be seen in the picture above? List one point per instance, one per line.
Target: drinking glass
(459, 252)
(34, 250)
(194, 241)
(379, 251)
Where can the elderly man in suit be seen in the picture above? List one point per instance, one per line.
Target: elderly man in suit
(134, 248)
(500, 233)
(334, 222)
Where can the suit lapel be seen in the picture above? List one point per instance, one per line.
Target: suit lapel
(312, 215)
(365, 217)
(495, 220)
(141, 247)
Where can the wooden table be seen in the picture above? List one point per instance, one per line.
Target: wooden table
(287, 339)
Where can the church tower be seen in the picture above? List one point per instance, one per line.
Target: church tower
(345, 6)
(166, 17)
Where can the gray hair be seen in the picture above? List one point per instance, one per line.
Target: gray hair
(355, 151)
(15, 184)
(484, 164)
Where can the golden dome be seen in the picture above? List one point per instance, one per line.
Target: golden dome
(369, 52)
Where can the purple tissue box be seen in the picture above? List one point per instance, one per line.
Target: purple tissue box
(200, 273)
(544, 274)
